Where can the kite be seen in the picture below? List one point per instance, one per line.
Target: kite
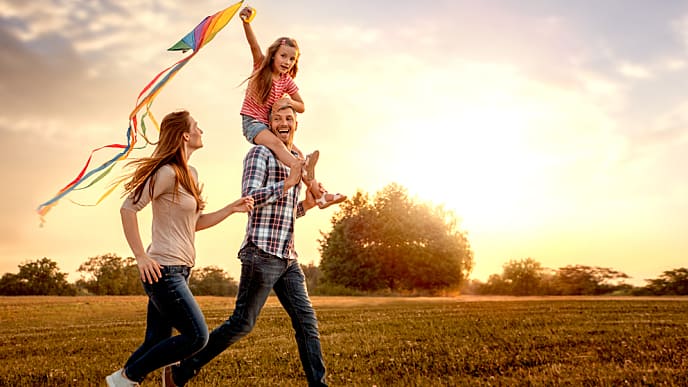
(204, 32)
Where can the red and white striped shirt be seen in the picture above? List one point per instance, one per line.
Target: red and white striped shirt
(252, 108)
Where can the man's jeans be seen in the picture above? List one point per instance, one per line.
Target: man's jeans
(170, 304)
(260, 273)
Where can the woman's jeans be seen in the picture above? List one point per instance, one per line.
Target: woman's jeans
(170, 305)
(261, 273)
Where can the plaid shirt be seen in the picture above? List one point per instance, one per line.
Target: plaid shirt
(271, 223)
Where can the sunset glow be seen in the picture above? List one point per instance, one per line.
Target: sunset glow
(551, 132)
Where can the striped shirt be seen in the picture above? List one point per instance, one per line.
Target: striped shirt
(271, 223)
(253, 108)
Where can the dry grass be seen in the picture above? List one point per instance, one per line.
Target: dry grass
(76, 341)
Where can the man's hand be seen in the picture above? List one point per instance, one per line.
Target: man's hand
(294, 176)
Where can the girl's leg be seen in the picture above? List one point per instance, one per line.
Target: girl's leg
(258, 133)
(323, 198)
(268, 139)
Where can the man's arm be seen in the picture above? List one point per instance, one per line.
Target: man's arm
(253, 180)
(305, 204)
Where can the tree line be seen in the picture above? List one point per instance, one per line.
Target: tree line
(387, 243)
(527, 277)
(102, 275)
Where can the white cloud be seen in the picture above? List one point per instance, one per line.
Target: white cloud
(632, 70)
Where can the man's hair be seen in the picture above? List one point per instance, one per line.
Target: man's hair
(280, 109)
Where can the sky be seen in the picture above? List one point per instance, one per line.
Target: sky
(554, 130)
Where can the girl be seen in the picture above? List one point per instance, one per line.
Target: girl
(272, 82)
(167, 181)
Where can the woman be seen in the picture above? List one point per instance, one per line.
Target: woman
(167, 181)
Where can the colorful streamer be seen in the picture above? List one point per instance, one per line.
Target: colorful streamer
(204, 32)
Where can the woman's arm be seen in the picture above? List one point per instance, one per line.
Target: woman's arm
(148, 268)
(244, 204)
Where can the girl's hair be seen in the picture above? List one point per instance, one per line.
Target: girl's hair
(169, 150)
(260, 82)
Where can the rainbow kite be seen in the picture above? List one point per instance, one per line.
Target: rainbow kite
(204, 32)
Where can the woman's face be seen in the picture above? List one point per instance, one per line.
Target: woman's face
(284, 59)
(195, 139)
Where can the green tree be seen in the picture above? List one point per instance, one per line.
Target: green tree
(313, 276)
(40, 277)
(395, 243)
(212, 281)
(671, 282)
(109, 274)
(587, 280)
(522, 277)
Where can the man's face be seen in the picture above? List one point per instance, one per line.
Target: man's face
(283, 125)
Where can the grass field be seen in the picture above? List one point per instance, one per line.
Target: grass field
(464, 341)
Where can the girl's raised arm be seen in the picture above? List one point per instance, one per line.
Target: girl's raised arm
(250, 36)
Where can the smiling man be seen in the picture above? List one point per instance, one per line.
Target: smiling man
(268, 260)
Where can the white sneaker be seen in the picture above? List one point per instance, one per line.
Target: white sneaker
(117, 379)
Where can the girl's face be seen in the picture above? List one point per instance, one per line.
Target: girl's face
(284, 59)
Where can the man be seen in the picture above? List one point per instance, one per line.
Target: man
(268, 260)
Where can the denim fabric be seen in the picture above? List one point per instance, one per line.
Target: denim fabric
(260, 273)
(170, 305)
(251, 127)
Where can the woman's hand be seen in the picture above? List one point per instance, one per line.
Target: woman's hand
(149, 269)
(244, 204)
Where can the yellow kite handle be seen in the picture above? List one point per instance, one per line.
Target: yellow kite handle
(251, 16)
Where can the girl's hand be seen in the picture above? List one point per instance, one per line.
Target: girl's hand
(244, 204)
(283, 102)
(246, 14)
(148, 268)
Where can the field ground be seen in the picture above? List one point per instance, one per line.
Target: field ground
(463, 341)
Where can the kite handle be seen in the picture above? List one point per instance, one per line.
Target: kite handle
(249, 19)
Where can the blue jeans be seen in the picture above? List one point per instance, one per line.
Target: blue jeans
(170, 305)
(251, 127)
(260, 273)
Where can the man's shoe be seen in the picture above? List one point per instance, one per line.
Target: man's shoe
(167, 380)
(117, 379)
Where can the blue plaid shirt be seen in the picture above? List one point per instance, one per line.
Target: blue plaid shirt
(271, 223)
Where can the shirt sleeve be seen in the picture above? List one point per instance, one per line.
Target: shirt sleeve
(290, 86)
(163, 181)
(255, 175)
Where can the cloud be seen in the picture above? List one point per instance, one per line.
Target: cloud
(680, 27)
(636, 71)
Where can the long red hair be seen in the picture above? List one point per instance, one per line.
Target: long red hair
(260, 82)
(169, 150)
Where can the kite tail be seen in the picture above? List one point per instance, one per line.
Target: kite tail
(203, 33)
